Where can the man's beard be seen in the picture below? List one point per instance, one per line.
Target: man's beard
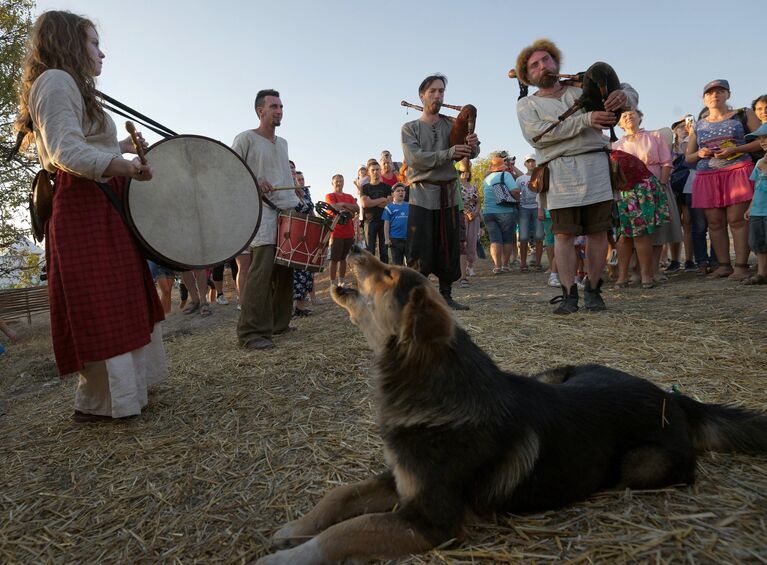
(547, 80)
(433, 107)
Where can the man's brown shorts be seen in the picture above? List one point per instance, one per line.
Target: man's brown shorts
(581, 220)
(339, 248)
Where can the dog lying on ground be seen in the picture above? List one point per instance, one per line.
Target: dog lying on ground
(461, 435)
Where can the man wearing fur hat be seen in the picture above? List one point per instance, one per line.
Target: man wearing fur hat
(579, 196)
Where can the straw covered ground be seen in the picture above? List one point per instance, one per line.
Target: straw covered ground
(236, 443)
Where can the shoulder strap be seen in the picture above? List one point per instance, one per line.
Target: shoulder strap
(132, 114)
(112, 197)
(742, 115)
(19, 139)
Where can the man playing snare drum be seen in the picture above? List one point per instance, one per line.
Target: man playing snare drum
(267, 299)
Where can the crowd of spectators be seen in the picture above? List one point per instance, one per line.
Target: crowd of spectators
(678, 214)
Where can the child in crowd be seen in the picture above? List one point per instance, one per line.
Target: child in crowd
(548, 243)
(757, 211)
(164, 278)
(395, 224)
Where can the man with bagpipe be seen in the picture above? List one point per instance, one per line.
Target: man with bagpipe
(564, 123)
(431, 145)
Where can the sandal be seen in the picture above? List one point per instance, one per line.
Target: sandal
(538, 268)
(721, 272)
(205, 310)
(756, 279)
(191, 308)
(621, 285)
(497, 270)
(648, 285)
(463, 283)
(742, 275)
(524, 269)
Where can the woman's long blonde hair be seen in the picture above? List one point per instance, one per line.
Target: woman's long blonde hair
(58, 41)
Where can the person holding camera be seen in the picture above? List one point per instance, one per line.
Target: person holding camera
(500, 212)
(718, 148)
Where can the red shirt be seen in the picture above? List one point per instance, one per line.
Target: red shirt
(345, 231)
(391, 181)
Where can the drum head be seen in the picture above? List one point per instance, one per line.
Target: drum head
(202, 206)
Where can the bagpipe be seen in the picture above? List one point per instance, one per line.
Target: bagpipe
(597, 82)
(463, 123)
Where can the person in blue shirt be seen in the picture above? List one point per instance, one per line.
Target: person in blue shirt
(395, 224)
(756, 215)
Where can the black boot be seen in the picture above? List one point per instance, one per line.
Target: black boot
(593, 296)
(447, 293)
(568, 302)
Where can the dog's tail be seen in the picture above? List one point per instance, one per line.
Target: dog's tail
(719, 427)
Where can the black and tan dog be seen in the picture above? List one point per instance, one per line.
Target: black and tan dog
(461, 435)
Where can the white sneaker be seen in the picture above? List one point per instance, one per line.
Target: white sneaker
(554, 280)
(221, 299)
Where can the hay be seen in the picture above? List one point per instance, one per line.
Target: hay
(236, 443)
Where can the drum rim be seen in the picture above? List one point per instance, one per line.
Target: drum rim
(148, 249)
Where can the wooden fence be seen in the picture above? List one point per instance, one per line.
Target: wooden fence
(20, 302)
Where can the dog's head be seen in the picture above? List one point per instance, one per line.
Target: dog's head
(394, 301)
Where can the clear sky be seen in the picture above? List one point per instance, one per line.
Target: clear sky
(343, 66)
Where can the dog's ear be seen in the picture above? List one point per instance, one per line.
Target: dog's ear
(426, 318)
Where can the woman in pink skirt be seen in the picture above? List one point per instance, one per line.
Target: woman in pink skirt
(718, 147)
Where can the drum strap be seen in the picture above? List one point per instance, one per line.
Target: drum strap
(128, 112)
(271, 204)
(112, 197)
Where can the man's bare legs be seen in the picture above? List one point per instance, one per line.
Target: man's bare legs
(596, 255)
(564, 251)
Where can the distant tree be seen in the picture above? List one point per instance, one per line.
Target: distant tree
(479, 170)
(15, 175)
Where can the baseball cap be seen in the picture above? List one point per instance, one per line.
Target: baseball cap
(762, 131)
(718, 83)
(529, 157)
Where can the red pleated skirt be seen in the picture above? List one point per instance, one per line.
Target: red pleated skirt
(103, 301)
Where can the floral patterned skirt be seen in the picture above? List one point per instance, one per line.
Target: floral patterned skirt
(642, 209)
(303, 284)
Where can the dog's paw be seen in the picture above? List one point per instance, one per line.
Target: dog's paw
(306, 554)
(291, 534)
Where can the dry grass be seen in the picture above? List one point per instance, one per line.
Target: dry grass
(236, 443)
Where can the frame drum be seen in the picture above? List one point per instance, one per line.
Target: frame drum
(202, 206)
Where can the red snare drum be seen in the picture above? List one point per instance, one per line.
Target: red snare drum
(302, 241)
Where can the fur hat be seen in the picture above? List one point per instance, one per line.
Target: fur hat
(538, 45)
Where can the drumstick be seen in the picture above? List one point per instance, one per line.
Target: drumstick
(289, 187)
(136, 142)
